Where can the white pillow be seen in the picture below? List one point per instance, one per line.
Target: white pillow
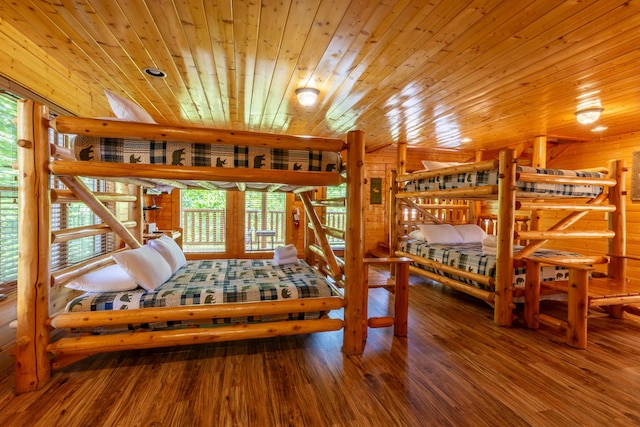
(170, 251)
(471, 233)
(440, 233)
(432, 165)
(126, 109)
(108, 279)
(145, 266)
(417, 234)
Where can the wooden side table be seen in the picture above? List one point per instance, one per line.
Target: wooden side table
(174, 234)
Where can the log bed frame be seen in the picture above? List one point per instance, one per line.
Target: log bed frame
(37, 353)
(583, 292)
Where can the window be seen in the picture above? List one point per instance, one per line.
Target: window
(67, 215)
(264, 223)
(204, 220)
(336, 216)
(206, 227)
(8, 193)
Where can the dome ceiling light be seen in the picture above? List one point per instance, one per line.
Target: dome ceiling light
(307, 96)
(589, 115)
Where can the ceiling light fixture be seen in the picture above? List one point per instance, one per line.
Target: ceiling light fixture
(154, 72)
(307, 96)
(589, 115)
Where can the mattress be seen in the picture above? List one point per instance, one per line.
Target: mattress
(470, 257)
(483, 178)
(217, 282)
(119, 150)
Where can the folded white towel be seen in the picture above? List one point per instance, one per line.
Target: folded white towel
(282, 252)
(489, 250)
(489, 241)
(281, 261)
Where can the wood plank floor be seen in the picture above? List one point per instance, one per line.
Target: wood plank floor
(455, 369)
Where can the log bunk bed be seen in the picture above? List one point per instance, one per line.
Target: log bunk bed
(42, 343)
(529, 219)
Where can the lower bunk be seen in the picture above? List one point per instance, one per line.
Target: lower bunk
(471, 269)
(203, 301)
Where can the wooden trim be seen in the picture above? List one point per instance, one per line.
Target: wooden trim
(482, 192)
(194, 312)
(481, 294)
(564, 179)
(454, 170)
(65, 196)
(65, 235)
(84, 193)
(484, 280)
(563, 234)
(60, 277)
(91, 344)
(117, 129)
(191, 173)
(543, 205)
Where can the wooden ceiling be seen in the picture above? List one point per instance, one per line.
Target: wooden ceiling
(427, 72)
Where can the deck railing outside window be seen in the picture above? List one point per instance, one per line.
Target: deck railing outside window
(336, 220)
(204, 230)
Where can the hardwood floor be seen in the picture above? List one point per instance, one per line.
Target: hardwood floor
(455, 369)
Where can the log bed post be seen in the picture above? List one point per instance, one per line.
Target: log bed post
(354, 311)
(539, 160)
(617, 246)
(33, 368)
(503, 312)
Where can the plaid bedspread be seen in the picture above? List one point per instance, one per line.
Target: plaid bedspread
(217, 282)
(481, 178)
(120, 150)
(469, 257)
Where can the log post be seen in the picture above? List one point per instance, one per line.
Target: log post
(617, 246)
(33, 368)
(503, 312)
(355, 319)
(532, 295)
(539, 160)
(401, 303)
(394, 218)
(577, 308)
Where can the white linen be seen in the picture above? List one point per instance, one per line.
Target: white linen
(489, 245)
(285, 255)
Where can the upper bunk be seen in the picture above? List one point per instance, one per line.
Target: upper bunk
(481, 181)
(192, 156)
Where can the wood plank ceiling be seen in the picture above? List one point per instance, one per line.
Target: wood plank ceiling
(431, 73)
